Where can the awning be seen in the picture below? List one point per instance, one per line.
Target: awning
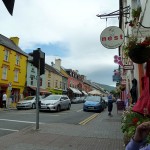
(84, 93)
(76, 91)
(41, 89)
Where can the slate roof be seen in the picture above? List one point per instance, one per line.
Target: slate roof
(52, 69)
(10, 44)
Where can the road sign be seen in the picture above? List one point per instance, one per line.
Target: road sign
(141, 32)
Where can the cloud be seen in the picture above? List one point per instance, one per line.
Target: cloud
(68, 29)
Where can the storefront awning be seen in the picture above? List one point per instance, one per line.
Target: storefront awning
(84, 93)
(41, 89)
(76, 91)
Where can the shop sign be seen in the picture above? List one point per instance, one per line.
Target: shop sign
(112, 37)
(128, 67)
(141, 32)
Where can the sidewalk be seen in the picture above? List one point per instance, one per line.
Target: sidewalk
(102, 133)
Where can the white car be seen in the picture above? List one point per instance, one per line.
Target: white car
(28, 102)
(55, 103)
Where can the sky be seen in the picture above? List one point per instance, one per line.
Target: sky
(65, 29)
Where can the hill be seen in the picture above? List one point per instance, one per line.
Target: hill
(107, 87)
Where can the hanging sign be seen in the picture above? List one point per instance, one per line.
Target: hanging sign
(112, 37)
(128, 67)
(141, 32)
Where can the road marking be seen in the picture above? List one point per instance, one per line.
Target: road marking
(20, 121)
(88, 119)
(79, 110)
(9, 129)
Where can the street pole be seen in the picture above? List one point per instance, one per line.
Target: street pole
(37, 96)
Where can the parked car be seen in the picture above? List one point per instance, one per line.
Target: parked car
(93, 103)
(77, 100)
(28, 102)
(55, 103)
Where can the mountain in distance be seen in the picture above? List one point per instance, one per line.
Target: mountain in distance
(107, 87)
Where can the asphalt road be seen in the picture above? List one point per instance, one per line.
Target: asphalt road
(15, 120)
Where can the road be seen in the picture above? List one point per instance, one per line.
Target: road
(15, 120)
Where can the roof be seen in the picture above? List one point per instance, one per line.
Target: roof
(52, 69)
(10, 44)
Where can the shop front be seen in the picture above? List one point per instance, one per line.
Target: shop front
(3, 88)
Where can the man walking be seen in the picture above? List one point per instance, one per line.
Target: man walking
(4, 100)
(110, 104)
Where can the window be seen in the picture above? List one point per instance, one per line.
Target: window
(60, 84)
(4, 75)
(48, 83)
(32, 79)
(17, 59)
(16, 74)
(40, 81)
(49, 74)
(56, 84)
(6, 55)
(33, 70)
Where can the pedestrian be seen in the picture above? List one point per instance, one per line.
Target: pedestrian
(138, 142)
(4, 100)
(110, 104)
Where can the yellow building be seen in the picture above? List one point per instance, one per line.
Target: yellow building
(13, 64)
(53, 80)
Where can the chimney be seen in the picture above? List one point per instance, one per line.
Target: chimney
(57, 64)
(15, 40)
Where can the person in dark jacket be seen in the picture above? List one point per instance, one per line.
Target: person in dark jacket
(133, 91)
(110, 104)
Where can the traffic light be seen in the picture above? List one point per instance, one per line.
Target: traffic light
(9, 4)
(38, 60)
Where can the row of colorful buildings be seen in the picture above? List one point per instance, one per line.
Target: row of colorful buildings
(19, 76)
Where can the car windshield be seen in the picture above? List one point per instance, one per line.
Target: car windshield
(93, 98)
(29, 98)
(52, 97)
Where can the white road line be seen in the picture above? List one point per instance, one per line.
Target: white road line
(79, 110)
(20, 121)
(9, 129)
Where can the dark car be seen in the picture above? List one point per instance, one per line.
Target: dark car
(93, 103)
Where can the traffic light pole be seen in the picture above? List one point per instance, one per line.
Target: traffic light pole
(37, 96)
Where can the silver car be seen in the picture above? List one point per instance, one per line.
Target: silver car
(55, 103)
(28, 102)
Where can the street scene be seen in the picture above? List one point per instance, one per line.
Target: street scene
(74, 75)
(73, 129)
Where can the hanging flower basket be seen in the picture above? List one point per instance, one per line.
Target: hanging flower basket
(138, 52)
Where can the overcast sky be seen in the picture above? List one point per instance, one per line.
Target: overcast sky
(65, 29)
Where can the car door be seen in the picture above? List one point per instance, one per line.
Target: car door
(62, 103)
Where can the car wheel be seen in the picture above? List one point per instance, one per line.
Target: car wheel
(69, 107)
(58, 108)
(33, 106)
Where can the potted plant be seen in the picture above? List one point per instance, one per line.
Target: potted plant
(129, 121)
(138, 52)
(136, 13)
